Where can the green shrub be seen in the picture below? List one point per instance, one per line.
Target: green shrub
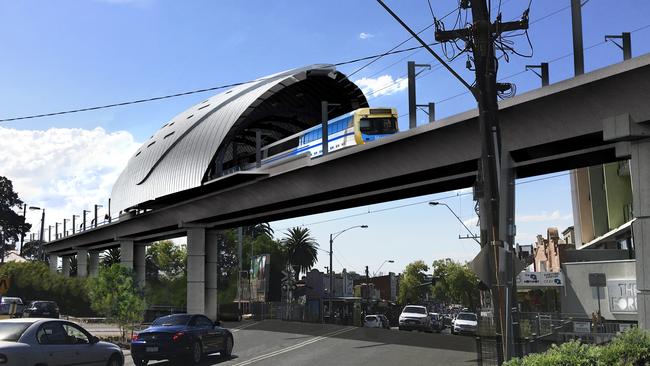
(571, 353)
(628, 349)
(631, 348)
(34, 281)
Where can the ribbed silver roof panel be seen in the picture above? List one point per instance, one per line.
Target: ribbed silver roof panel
(177, 157)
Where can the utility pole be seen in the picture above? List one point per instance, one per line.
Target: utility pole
(367, 290)
(331, 289)
(412, 74)
(22, 236)
(480, 38)
(576, 26)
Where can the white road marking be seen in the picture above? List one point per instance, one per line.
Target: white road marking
(237, 329)
(294, 347)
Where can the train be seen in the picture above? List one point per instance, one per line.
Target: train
(354, 128)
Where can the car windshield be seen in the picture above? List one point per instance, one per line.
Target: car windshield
(171, 320)
(466, 316)
(12, 331)
(415, 309)
(371, 318)
(11, 300)
(378, 126)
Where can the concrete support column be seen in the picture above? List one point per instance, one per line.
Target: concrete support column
(211, 255)
(126, 253)
(93, 264)
(65, 267)
(196, 271)
(82, 263)
(640, 174)
(139, 264)
(54, 263)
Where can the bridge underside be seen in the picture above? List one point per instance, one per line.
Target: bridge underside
(574, 123)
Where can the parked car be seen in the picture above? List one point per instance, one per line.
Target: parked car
(11, 306)
(53, 342)
(436, 322)
(415, 317)
(465, 323)
(41, 309)
(385, 323)
(377, 321)
(181, 335)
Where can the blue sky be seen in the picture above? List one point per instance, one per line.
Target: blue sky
(69, 54)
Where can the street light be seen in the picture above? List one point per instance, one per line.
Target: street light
(382, 264)
(74, 223)
(331, 289)
(96, 207)
(84, 224)
(472, 235)
(42, 238)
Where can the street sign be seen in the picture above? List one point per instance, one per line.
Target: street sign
(4, 285)
(597, 280)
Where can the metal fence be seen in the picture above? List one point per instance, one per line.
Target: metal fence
(538, 331)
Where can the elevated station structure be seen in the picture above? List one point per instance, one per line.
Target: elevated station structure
(191, 185)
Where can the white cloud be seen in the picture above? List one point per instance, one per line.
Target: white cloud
(64, 170)
(544, 216)
(364, 35)
(471, 222)
(383, 85)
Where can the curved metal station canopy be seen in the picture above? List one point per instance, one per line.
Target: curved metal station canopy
(218, 135)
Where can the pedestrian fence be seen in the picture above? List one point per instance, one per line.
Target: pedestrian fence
(538, 331)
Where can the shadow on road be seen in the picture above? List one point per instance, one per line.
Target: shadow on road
(374, 335)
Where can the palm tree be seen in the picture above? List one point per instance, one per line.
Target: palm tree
(301, 249)
(263, 228)
(111, 256)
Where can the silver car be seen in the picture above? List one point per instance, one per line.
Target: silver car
(53, 342)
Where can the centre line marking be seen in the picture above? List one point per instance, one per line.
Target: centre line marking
(294, 347)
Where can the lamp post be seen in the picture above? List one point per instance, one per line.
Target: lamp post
(42, 236)
(472, 235)
(382, 264)
(65, 231)
(96, 207)
(84, 223)
(22, 235)
(74, 223)
(331, 289)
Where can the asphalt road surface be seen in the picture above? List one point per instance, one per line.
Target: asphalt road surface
(273, 342)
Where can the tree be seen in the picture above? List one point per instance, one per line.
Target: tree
(168, 258)
(114, 295)
(300, 249)
(111, 256)
(455, 283)
(12, 225)
(32, 250)
(412, 288)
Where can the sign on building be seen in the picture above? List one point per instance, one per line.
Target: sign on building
(622, 296)
(259, 276)
(540, 279)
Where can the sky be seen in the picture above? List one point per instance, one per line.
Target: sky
(72, 54)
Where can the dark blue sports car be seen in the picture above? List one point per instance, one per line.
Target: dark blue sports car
(180, 335)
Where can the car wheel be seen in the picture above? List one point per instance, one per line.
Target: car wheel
(227, 350)
(197, 352)
(115, 360)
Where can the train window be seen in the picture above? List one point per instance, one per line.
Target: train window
(378, 126)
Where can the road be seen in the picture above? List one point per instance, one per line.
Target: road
(273, 342)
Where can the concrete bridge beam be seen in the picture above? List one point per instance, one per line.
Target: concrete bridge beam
(93, 264)
(211, 256)
(640, 172)
(54, 263)
(139, 264)
(196, 271)
(82, 263)
(65, 266)
(126, 253)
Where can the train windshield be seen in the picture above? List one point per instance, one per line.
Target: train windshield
(378, 126)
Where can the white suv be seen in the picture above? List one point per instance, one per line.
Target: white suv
(415, 317)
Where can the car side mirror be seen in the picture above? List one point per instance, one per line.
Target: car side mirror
(94, 339)
(217, 323)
